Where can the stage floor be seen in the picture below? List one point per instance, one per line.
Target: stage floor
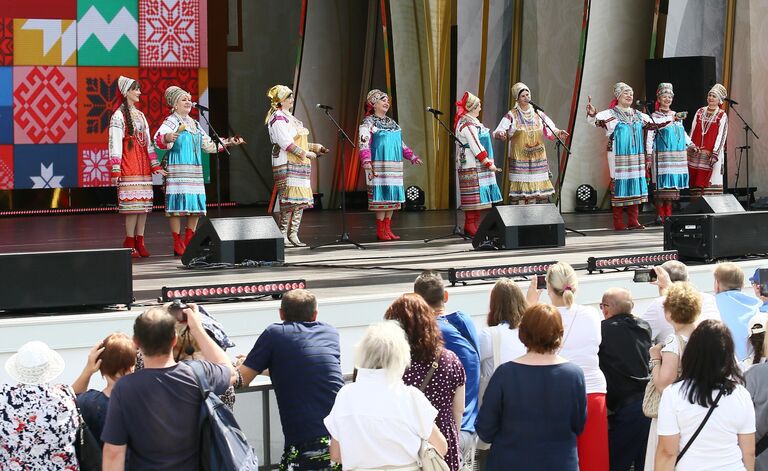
(330, 271)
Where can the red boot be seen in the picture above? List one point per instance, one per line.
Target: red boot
(178, 244)
(388, 226)
(470, 222)
(668, 209)
(381, 230)
(618, 218)
(632, 214)
(140, 246)
(188, 236)
(129, 243)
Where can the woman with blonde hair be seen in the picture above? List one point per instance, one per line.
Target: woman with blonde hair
(444, 387)
(377, 422)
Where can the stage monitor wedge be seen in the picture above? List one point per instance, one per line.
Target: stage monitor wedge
(709, 204)
(715, 236)
(65, 279)
(235, 240)
(521, 227)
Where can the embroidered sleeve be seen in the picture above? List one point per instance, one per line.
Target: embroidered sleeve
(547, 133)
(207, 143)
(281, 133)
(116, 133)
(408, 154)
(366, 134)
(602, 120)
(506, 127)
(649, 140)
(169, 125)
(695, 121)
(317, 148)
(720, 140)
(469, 134)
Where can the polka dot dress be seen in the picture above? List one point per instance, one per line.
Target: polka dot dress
(440, 391)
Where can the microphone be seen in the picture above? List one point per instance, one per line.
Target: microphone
(200, 107)
(645, 103)
(733, 102)
(434, 111)
(535, 106)
(324, 107)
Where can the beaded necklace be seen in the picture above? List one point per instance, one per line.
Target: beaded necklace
(707, 119)
(190, 125)
(530, 124)
(628, 117)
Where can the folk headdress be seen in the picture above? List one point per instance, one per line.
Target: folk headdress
(719, 91)
(124, 84)
(173, 94)
(468, 103)
(618, 89)
(276, 95)
(517, 89)
(664, 89)
(374, 96)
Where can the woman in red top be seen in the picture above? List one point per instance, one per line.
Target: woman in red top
(708, 133)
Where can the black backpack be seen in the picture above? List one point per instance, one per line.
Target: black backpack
(223, 446)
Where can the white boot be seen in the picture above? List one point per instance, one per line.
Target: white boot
(293, 232)
(283, 221)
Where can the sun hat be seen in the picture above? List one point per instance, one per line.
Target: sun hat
(34, 363)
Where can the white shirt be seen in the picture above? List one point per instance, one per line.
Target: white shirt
(378, 423)
(661, 329)
(510, 347)
(716, 447)
(581, 342)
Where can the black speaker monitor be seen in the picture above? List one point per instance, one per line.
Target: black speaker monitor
(65, 279)
(714, 236)
(235, 240)
(522, 227)
(726, 203)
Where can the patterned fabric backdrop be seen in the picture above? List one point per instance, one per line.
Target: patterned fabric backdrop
(59, 64)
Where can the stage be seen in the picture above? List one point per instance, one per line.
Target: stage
(330, 271)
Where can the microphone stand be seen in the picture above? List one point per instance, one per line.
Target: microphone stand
(342, 138)
(456, 231)
(747, 129)
(215, 137)
(558, 143)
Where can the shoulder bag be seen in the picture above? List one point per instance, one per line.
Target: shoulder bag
(652, 395)
(701, 426)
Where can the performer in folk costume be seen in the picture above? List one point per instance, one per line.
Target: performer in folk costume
(671, 151)
(477, 177)
(626, 154)
(184, 184)
(528, 167)
(382, 151)
(291, 162)
(132, 160)
(708, 133)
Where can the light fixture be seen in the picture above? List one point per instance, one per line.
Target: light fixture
(231, 290)
(462, 275)
(629, 261)
(414, 199)
(586, 198)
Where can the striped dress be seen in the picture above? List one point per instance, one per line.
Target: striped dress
(477, 184)
(381, 143)
(626, 153)
(184, 184)
(708, 132)
(132, 159)
(672, 157)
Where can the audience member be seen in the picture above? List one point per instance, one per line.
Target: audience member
(154, 413)
(755, 281)
(756, 379)
(460, 337)
(580, 345)
(378, 422)
(38, 420)
(682, 306)
(535, 406)
(624, 362)
(114, 357)
(302, 357)
(736, 308)
(500, 342)
(710, 379)
(667, 273)
(445, 388)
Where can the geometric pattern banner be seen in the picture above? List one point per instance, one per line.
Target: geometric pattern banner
(98, 97)
(168, 33)
(107, 32)
(45, 105)
(6, 105)
(45, 166)
(6, 41)
(6, 167)
(93, 169)
(154, 81)
(44, 42)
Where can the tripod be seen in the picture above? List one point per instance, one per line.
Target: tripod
(747, 129)
(343, 139)
(215, 137)
(558, 143)
(456, 231)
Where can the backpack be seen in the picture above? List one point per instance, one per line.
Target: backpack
(223, 446)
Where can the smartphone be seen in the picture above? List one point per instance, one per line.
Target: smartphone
(177, 309)
(762, 276)
(644, 275)
(541, 282)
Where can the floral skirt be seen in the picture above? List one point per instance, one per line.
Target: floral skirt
(314, 455)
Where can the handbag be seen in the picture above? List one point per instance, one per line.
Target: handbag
(87, 448)
(652, 396)
(701, 426)
(429, 458)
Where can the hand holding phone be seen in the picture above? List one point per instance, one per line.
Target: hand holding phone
(541, 282)
(644, 275)
(177, 309)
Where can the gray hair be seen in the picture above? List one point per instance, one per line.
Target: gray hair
(384, 347)
(677, 270)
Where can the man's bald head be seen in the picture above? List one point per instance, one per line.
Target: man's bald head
(617, 301)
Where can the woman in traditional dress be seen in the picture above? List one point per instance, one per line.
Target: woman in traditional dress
(382, 151)
(626, 154)
(132, 160)
(184, 184)
(477, 178)
(291, 162)
(671, 170)
(708, 133)
(528, 167)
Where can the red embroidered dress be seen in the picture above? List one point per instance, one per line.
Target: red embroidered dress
(708, 133)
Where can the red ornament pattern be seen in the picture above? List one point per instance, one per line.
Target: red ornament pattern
(154, 81)
(44, 105)
(169, 33)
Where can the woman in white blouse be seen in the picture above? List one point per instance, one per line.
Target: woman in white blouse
(378, 422)
(499, 342)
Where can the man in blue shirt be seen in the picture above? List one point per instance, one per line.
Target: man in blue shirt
(736, 308)
(302, 357)
(460, 337)
(756, 282)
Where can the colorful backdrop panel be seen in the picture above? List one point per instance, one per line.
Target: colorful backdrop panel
(108, 32)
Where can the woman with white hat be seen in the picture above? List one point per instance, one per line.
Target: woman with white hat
(132, 161)
(708, 132)
(38, 420)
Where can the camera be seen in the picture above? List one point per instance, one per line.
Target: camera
(541, 282)
(644, 275)
(177, 309)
